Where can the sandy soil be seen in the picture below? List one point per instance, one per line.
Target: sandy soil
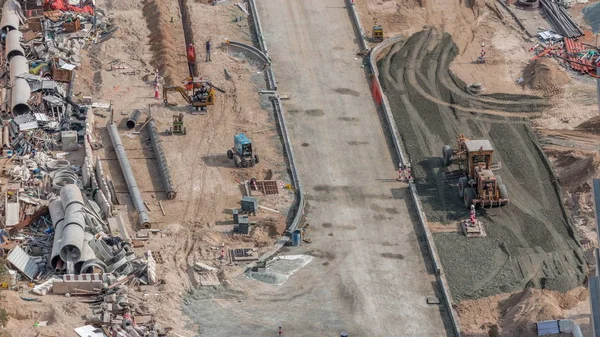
(196, 223)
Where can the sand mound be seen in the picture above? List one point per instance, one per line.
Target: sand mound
(544, 75)
(160, 39)
(576, 169)
(520, 311)
(592, 125)
(515, 314)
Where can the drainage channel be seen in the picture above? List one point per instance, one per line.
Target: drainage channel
(188, 32)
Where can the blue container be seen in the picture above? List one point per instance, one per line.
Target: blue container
(296, 237)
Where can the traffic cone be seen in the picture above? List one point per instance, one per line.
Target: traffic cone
(400, 174)
(409, 174)
(156, 92)
(280, 331)
(222, 253)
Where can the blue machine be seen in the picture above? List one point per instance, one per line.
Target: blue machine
(242, 152)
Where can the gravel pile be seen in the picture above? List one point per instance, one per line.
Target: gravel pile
(529, 242)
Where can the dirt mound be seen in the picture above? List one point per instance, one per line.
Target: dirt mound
(592, 125)
(576, 169)
(515, 314)
(160, 39)
(544, 75)
(520, 311)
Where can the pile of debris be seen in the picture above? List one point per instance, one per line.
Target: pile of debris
(41, 58)
(574, 54)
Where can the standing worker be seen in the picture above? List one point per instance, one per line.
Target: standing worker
(191, 56)
(208, 50)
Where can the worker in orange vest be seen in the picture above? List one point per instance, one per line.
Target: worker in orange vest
(191, 57)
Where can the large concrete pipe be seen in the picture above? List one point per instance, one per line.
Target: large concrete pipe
(74, 224)
(13, 44)
(20, 94)
(132, 121)
(18, 65)
(10, 16)
(3, 99)
(134, 191)
(87, 253)
(71, 194)
(57, 215)
(161, 159)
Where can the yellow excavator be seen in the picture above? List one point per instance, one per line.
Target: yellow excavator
(202, 94)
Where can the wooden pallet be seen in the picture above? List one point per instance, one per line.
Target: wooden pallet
(158, 257)
(268, 187)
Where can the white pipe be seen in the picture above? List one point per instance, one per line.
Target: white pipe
(20, 94)
(10, 15)
(18, 65)
(57, 215)
(13, 44)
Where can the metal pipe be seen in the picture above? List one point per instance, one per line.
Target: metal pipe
(13, 44)
(133, 119)
(5, 136)
(134, 191)
(10, 15)
(163, 167)
(57, 215)
(20, 94)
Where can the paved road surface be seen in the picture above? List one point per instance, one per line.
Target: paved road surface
(369, 276)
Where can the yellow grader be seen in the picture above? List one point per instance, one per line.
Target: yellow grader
(477, 183)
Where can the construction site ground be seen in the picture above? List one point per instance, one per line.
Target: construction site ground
(531, 242)
(196, 223)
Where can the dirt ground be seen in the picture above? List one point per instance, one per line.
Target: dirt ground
(564, 131)
(197, 222)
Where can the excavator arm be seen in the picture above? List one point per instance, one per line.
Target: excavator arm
(180, 90)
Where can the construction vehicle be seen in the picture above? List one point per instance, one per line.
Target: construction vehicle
(202, 94)
(477, 183)
(377, 33)
(242, 152)
(178, 124)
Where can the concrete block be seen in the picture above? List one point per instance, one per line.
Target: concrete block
(110, 298)
(69, 140)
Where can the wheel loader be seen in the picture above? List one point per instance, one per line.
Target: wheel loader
(477, 183)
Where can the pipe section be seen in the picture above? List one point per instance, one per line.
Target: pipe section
(163, 168)
(20, 94)
(18, 65)
(5, 137)
(133, 119)
(57, 214)
(134, 191)
(74, 227)
(87, 253)
(13, 44)
(10, 16)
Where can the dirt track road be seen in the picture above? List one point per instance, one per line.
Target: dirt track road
(369, 276)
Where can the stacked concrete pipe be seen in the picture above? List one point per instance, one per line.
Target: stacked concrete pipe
(10, 16)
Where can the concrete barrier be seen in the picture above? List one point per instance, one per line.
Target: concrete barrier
(404, 160)
(282, 124)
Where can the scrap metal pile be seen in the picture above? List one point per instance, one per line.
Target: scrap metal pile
(39, 64)
(576, 56)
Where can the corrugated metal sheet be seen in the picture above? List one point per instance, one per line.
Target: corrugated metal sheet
(12, 214)
(547, 327)
(23, 262)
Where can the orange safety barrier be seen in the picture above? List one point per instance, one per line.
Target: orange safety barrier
(376, 91)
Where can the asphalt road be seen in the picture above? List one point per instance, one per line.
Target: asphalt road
(370, 276)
